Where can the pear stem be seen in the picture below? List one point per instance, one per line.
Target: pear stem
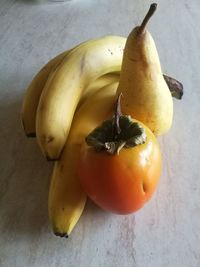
(149, 14)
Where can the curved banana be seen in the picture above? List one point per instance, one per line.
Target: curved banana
(33, 93)
(66, 85)
(66, 198)
(100, 82)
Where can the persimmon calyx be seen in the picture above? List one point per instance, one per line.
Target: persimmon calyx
(131, 134)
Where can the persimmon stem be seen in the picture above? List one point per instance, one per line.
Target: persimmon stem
(117, 114)
(149, 14)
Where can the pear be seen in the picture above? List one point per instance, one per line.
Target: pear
(146, 96)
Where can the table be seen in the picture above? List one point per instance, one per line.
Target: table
(166, 232)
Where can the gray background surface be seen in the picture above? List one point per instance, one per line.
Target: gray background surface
(166, 232)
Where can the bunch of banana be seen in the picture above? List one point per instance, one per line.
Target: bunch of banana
(69, 97)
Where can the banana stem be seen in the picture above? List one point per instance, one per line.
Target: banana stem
(149, 14)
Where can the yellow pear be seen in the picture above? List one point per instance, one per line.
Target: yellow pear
(146, 96)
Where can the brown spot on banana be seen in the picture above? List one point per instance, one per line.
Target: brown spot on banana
(49, 139)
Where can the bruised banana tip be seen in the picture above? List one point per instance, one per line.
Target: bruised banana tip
(61, 234)
(48, 158)
(31, 135)
(27, 133)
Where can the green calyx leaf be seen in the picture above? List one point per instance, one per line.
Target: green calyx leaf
(106, 138)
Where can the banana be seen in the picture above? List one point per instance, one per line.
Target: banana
(33, 92)
(66, 85)
(66, 198)
(100, 82)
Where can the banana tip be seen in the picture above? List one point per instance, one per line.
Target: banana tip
(31, 135)
(61, 234)
(51, 159)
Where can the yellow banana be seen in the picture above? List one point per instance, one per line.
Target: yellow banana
(66, 198)
(33, 93)
(100, 82)
(66, 85)
(34, 90)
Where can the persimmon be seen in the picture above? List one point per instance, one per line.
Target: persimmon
(120, 164)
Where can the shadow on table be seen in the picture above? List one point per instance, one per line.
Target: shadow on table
(24, 179)
(36, 2)
(24, 176)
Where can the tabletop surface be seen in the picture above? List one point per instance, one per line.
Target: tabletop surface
(166, 232)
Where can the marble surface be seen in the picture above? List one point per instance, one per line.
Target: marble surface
(166, 232)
